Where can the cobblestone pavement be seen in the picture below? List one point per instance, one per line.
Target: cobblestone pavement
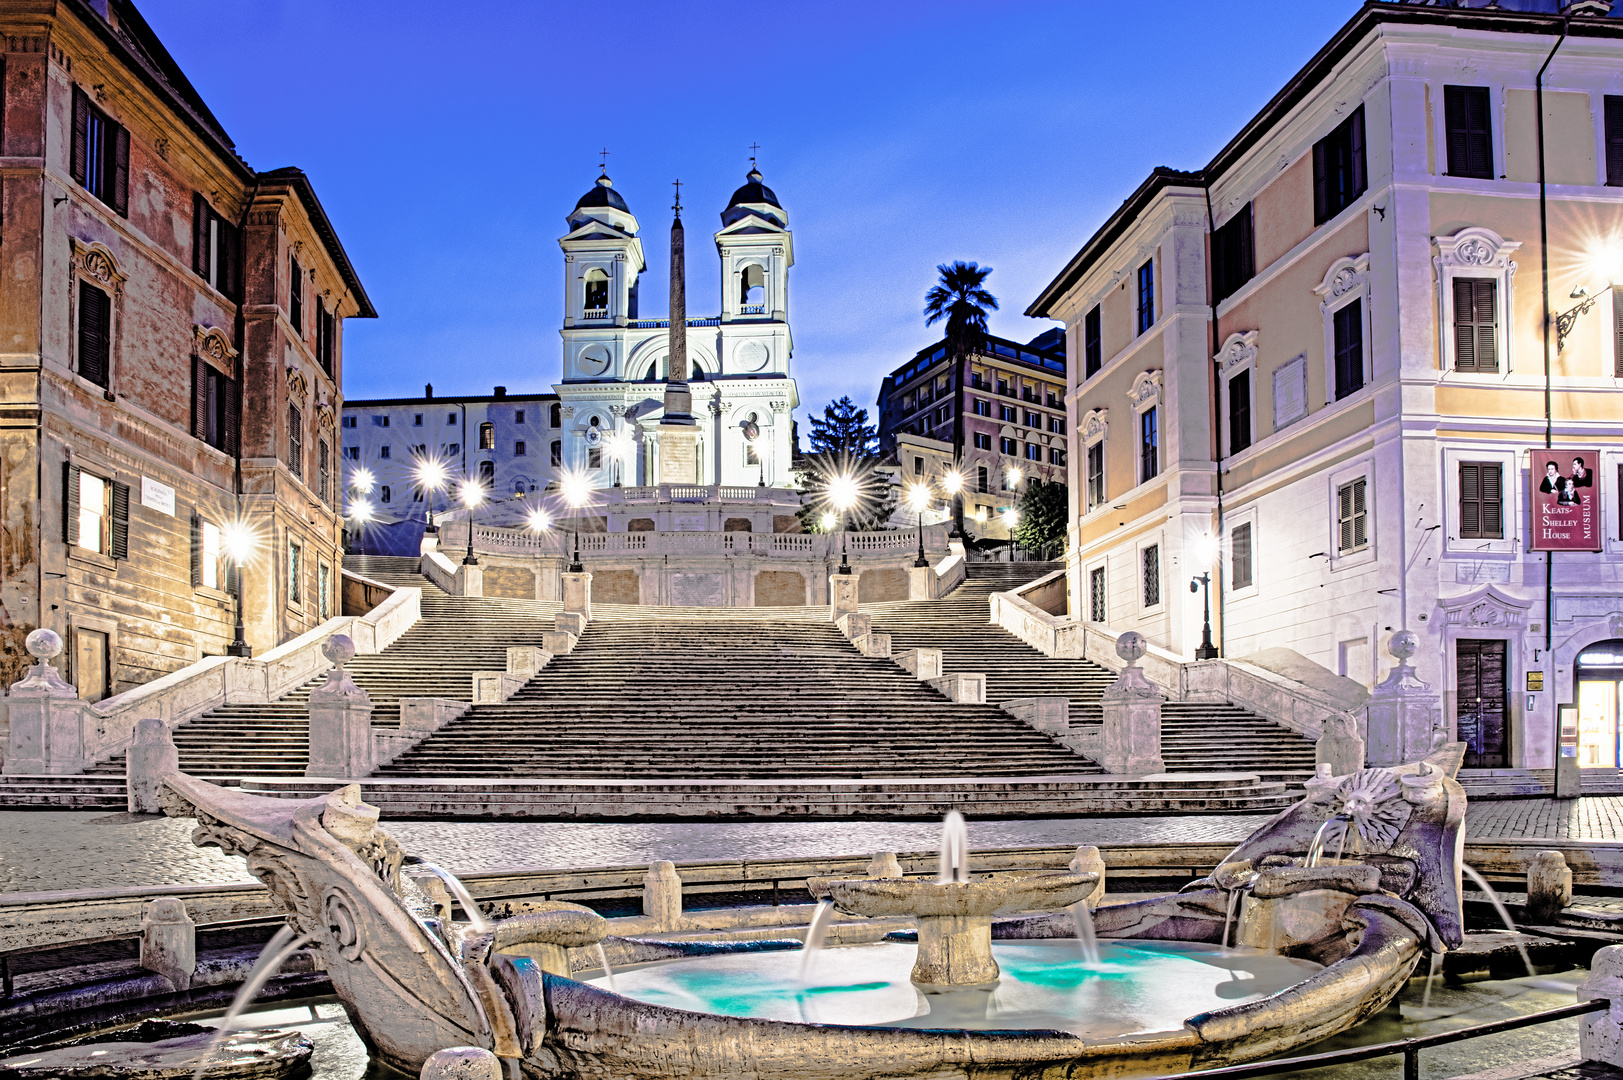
(46, 850)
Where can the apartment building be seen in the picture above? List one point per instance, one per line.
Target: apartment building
(1357, 367)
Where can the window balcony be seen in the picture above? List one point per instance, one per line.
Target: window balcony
(594, 314)
(752, 309)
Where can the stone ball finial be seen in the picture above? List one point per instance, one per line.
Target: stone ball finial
(339, 649)
(43, 644)
(1403, 644)
(1132, 646)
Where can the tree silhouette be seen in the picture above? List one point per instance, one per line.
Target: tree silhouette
(844, 430)
(960, 297)
(1044, 514)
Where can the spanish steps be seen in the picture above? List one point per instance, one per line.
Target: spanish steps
(1194, 736)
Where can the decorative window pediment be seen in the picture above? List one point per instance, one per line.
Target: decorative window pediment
(1484, 607)
(1237, 351)
(1475, 264)
(1146, 389)
(1345, 276)
(95, 261)
(1475, 248)
(298, 387)
(1095, 425)
(212, 342)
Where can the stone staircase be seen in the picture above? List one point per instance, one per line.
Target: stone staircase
(1195, 736)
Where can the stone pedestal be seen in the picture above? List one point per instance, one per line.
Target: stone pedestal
(1049, 715)
(662, 895)
(470, 579)
(923, 663)
(1339, 746)
(570, 622)
(955, 954)
(854, 624)
(842, 594)
(526, 659)
(678, 454)
(1131, 743)
(1600, 1034)
(169, 941)
(1569, 778)
(965, 688)
(921, 583)
(884, 865)
(340, 719)
(152, 757)
(46, 716)
(1549, 887)
(1404, 720)
(558, 642)
(578, 594)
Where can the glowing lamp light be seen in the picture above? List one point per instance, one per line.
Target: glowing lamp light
(1011, 518)
(1015, 476)
(828, 521)
(918, 498)
(360, 510)
(431, 475)
(240, 542)
(620, 446)
(844, 492)
(576, 487)
(362, 480)
(980, 514)
(540, 520)
(1204, 549)
(953, 481)
(473, 493)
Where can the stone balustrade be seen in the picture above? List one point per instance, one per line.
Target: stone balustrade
(83, 733)
(559, 543)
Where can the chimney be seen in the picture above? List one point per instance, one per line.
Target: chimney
(428, 390)
(501, 391)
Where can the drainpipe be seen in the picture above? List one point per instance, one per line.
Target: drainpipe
(1216, 415)
(1544, 267)
(240, 333)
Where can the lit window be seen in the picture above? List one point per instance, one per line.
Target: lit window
(211, 555)
(92, 513)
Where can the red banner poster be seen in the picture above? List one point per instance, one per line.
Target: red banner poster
(1566, 506)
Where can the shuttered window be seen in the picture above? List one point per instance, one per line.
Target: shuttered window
(100, 162)
(326, 332)
(1468, 117)
(95, 333)
(1152, 575)
(1240, 412)
(95, 512)
(1352, 516)
(1617, 333)
(1482, 515)
(1476, 341)
(295, 296)
(205, 554)
(1092, 343)
(1348, 334)
(214, 406)
(1614, 141)
(295, 441)
(324, 475)
(1240, 557)
(1339, 172)
(216, 249)
(1233, 263)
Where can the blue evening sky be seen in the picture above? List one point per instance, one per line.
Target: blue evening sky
(449, 140)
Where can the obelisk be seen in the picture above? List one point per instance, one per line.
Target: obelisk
(678, 434)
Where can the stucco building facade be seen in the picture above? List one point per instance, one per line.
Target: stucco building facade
(1316, 369)
(173, 323)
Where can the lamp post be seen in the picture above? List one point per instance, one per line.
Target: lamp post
(620, 447)
(953, 482)
(239, 544)
(1207, 650)
(577, 491)
(473, 493)
(1011, 518)
(540, 522)
(843, 492)
(918, 497)
(430, 477)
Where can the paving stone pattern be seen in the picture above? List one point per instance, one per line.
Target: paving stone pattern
(45, 850)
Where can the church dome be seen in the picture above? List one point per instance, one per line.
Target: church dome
(603, 194)
(754, 192)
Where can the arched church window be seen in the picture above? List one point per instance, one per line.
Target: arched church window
(487, 436)
(597, 292)
(752, 289)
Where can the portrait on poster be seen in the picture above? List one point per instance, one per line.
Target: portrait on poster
(1565, 513)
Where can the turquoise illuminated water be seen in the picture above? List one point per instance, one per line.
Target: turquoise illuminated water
(1137, 987)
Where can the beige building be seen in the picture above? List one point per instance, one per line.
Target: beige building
(1316, 369)
(173, 323)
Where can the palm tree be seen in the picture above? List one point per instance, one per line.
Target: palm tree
(961, 298)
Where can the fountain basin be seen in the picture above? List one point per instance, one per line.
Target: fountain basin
(955, 918)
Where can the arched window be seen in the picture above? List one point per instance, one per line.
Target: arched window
(752, 289)
(658, 368)
(597, 294)
(487, 436)
(555, 416)
(487, 473)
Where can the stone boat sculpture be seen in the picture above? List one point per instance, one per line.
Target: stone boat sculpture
(414, 981)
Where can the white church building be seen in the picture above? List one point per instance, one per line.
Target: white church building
(615, 362)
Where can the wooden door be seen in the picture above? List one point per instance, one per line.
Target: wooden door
(1482, 705)
(90, 664)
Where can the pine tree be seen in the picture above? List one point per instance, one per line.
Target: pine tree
(844, 429)
(1044, 515)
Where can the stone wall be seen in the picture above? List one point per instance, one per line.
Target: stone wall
(616, 587)
(877, 586)
(512, 582)
(780, 588)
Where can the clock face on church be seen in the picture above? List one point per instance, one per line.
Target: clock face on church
(594, 360)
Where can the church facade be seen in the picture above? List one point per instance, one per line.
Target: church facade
(616, 363)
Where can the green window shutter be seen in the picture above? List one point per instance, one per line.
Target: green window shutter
(70, 503)
(197, 551)
(81, 135)
(120, 545)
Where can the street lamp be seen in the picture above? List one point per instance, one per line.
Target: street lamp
(577, 491)
(952, 481)
(540, 522)
(843, 492)
(473, 493)
(1205, 551)
(1011, 518)
(620, 448)
(1015, 476)
(430, 477)
(239, 543)
(918, 497)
